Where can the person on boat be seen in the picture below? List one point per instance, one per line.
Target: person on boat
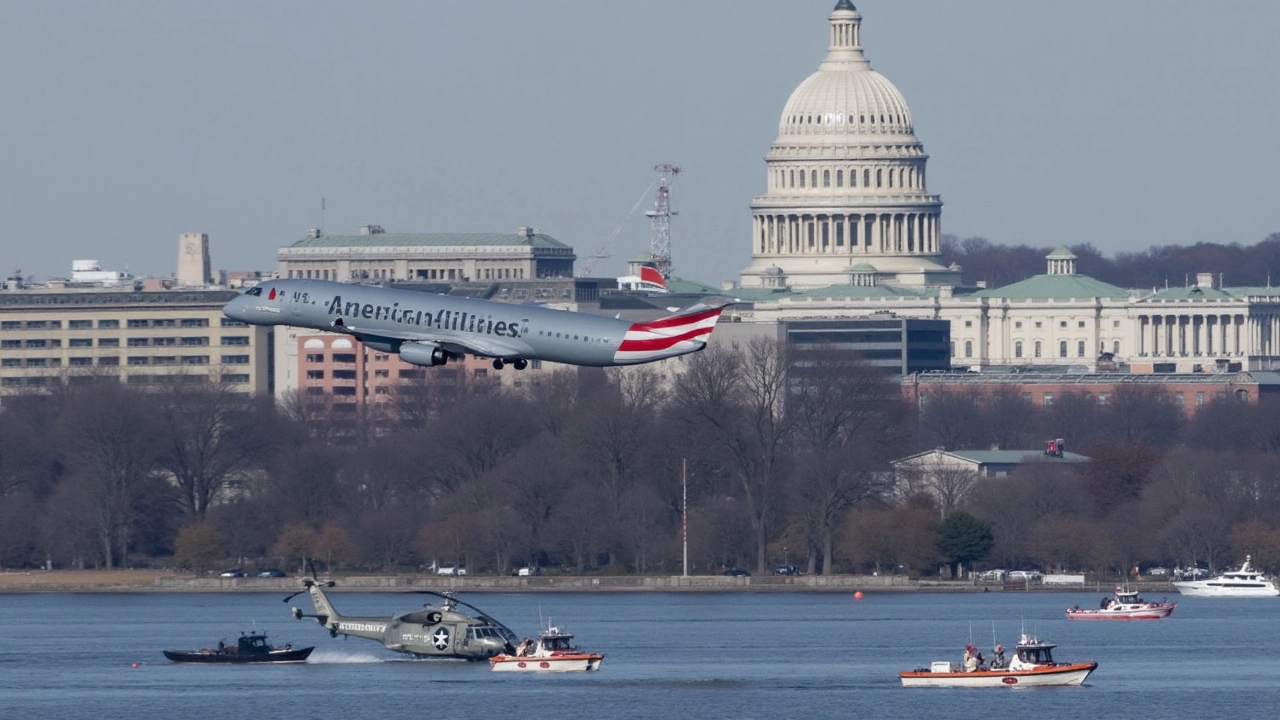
(998, 661)
(971, 661)
(1106, 603)
(525, 646)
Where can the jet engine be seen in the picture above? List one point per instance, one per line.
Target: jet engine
(423, 353)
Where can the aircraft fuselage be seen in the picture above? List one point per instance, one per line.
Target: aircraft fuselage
(398, 320)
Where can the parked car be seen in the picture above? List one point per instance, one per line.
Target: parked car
(1158, 571)
(734, 572)
(232, 573)
(450, 570)
(996, 575)
(1028, 575)
(523, 572)
(272, 572)
(786, 570)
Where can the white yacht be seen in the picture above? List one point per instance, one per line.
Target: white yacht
(1245, 582)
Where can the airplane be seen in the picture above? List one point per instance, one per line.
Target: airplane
(432, 329)
(440, 631)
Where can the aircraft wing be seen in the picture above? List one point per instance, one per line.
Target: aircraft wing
(505, 348)
(494, 347)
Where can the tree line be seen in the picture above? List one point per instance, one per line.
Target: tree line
(786, 456)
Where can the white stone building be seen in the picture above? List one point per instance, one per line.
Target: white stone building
(847, 228)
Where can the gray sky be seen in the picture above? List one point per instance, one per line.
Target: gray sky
(1124, 123)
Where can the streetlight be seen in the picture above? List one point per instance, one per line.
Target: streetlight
(784, 555)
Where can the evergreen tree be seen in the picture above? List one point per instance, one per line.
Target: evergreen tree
(963, 539)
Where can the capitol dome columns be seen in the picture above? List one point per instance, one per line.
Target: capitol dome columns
(846, 233)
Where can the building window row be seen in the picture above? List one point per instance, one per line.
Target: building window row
(880, 178)
(31, 325)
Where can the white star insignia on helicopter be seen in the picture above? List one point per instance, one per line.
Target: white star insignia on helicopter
(441, 639)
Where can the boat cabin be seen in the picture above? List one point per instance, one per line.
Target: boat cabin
(554, 641)
(1036, 653)
(252, 644)
(1127, 597)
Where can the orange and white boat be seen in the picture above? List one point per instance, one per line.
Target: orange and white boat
(1031, 666)
(553, 652)
(1126, 605)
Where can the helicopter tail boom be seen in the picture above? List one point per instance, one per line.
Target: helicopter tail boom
(326, 615)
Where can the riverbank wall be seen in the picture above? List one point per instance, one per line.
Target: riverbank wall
(97, 581)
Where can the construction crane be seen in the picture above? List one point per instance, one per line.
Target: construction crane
(590, 265)
(660, 216)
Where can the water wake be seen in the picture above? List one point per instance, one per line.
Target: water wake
(339, 657)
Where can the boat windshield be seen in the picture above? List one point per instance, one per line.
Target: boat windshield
(1036, 655)
(558, 643)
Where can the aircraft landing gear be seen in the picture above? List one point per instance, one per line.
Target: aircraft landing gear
(497, 363)
(520, 363)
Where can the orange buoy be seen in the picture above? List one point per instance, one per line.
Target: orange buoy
(857, 595)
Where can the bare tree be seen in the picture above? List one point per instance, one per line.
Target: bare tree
(740, 394)
(614, 432)
(953, 420)
(209, 436)
(1140, 416)
(112, 444)
(1011, 420)
(849, 425)
(948, 483)
(1074, 418)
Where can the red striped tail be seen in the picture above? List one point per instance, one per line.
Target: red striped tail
(685, 332)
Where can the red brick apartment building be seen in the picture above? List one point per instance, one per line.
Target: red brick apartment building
(1186, 390)
(341, 368)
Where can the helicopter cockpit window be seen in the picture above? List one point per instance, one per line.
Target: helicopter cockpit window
(257, 291)
(482, 631)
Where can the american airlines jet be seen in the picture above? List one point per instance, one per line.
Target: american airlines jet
(429, 329)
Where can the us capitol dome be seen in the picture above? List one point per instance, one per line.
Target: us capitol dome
(846, 201)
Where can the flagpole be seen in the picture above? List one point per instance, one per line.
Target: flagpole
(684, 505)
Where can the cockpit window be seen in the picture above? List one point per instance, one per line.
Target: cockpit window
(254, 291)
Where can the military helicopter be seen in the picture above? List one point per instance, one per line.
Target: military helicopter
(440, 631)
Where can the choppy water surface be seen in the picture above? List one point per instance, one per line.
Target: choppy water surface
(698, 655)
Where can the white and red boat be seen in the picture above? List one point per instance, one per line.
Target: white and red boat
(553, 652)
(1125, 605)
(1032, 665)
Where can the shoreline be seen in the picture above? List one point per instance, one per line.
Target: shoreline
(159, 581)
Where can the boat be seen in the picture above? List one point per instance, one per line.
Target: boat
(252, 647)
(1245, 582)
(1032, 665)
(552, 652)
(1124, 605)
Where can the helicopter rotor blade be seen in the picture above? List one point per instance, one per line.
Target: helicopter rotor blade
(453, 598)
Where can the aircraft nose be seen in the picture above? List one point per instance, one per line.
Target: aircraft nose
(235, 308)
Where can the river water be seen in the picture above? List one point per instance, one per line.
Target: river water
(667, 655)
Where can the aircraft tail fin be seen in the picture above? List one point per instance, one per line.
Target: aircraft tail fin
(683, 332)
